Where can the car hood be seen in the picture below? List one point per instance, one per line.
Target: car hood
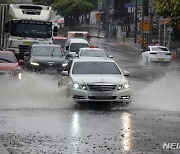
(47, 59)
(101, 78)
(8, 66)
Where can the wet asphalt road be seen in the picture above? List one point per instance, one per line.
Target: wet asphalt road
(37, 118)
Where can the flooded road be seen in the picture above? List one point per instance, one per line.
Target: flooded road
(36, 117)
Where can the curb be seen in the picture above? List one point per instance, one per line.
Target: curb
(3, 150)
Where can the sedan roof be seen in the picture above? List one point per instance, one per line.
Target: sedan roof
(98, 59)
(78, 40)
(46, 45)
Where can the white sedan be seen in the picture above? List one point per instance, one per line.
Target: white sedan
(156, 54)
(96, 79)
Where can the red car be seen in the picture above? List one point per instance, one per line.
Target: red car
(9, 65)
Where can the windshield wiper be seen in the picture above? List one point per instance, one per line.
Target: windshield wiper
(9, 61)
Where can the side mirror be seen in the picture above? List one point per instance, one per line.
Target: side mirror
(64, 73)
(26, 54)
(68, 55)
(67, 47)
(126, 73)
(55, 31)
(21, 62)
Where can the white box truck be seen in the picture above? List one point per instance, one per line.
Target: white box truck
(27, 24)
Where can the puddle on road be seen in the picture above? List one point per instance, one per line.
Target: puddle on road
(33, 92)
(162, 94)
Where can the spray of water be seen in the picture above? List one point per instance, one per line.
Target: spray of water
(33, 92)
(162, 94)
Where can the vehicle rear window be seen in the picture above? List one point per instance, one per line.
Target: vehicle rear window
(7, 57)
(95, 68)
(78, 35)
(93, 53)
(159, 49)
(75, 46)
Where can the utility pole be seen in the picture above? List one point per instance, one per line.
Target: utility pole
(145, 19)
(107, 18)
(135, 23)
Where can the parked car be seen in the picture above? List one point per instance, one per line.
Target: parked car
(156, 54)
(96, 80)
(47, 58)
(92, 52)
(79, 34)
(10, 66)
(73, 45)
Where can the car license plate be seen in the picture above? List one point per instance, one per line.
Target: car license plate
(103, 94)
(160, 59)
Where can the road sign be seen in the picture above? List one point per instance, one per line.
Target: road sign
(98, 16)
(146, 26)
(146, 18)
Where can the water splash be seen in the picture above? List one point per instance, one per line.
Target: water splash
(33, 92)
(162, 94)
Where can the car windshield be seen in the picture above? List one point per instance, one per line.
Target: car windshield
(95, 68)
(47, 51)
(75, 46)
(31, 29)
(7, 58)
(159, 49)
(93, 53)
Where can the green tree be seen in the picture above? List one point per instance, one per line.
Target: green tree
(72, 9)
(43, 2)
(167, 8)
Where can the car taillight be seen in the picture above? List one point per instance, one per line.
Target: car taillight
(86, 35)
(153, 53)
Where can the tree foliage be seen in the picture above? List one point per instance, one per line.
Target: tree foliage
(43, 2)
(167, 8)
(72, 7)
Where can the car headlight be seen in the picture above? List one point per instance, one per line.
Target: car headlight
(78, 86)
(65, 64)
(34, 63)
(124, 86)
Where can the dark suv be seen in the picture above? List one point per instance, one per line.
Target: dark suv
(47, 58)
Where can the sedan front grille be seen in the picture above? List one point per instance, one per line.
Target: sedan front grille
(102, 97)
(102, 87)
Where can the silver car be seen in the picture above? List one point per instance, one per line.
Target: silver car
(96, 79)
